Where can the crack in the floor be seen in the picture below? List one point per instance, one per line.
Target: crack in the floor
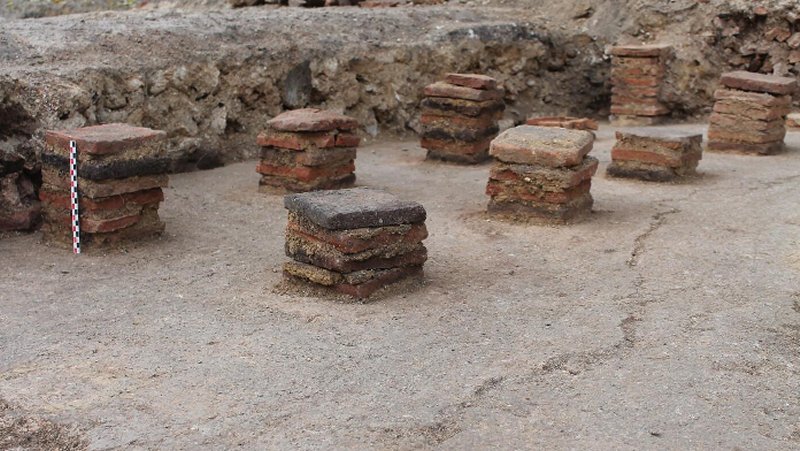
(776, 182)
(572, 363)
(658, 220)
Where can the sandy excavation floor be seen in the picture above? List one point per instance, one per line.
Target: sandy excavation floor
(671, 319)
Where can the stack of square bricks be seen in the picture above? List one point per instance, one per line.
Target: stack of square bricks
(308, 149)
(637, 73)
(542, 174)
(750, 113)
(655, 155)
(353, 241)
(121, 171)
(459, 117)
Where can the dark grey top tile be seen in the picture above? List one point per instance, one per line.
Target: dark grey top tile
(354, 208)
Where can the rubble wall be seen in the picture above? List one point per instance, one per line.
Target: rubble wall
(214, 92)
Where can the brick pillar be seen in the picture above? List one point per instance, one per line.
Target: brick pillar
(121, 173)
(353, 241)
(459, 117)
(542, 174)
(637, 74)
(750, 112)
(307, 150)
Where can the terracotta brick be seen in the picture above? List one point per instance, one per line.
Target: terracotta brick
(483, 121)
(58, 231)
(311, 120)
(456, 147)
(745, 137)
(544, 146)
(442, 106)
(306, 173)
(749, 110)
(757, 98)
(312, 157)
(636, 91)
(635, 81)
(474, 81)
(459, 134)
(622, 154)
(358, 240)
(540, 212)
(107, 225)
(381, 280)
(672, 141)
(575, 123)
(742, 124)
(104, 139)
(631, 63)
(649, 71)
(648, 172)
(347, 140)
(274, 184)
(296, 140)
(447, 90)
(59, 180)
(543, 178)
(619, 100)
(61, 199)
(391, 276)
(524, 192)
(751, 81)
(318, 254)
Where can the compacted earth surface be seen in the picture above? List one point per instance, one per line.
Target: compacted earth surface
(669, 319)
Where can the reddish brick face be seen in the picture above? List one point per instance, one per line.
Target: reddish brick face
(542, 146)
(351, 243)
(499, 190)
(105, 188)
(635, 81)
(368, 288)
(306, 173)
(636, 91)
(296, 141)
(347, 140)
(474, 81)
(750, 110)
(451, 91)
(104, 139)
(751, 81)
(108, 225)
(311, 120)
(645, 157)
(563, 122)
(88, 205)
(480, 122)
